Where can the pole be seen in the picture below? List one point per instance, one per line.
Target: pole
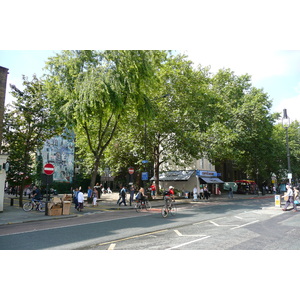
(47, 195)
(288, 154)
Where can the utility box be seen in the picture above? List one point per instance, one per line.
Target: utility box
(277, 201)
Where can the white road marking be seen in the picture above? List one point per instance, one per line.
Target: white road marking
(178, 246)
(245, 224)
(180, 234)
(111, 247)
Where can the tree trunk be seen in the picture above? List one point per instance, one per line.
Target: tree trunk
(156, 168)
(95, 173)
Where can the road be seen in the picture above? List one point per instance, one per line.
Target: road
(231, 225)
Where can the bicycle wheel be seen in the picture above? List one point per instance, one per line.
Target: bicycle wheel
(173, 209)
(138, 207)
(42, 206)
(27, 206)
(148, 205)
(164, 211)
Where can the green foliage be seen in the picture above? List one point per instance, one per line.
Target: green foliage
(29, 122)
(91, 90)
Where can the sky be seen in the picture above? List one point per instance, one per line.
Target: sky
(277, 72)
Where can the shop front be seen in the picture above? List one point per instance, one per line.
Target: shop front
(209, 179)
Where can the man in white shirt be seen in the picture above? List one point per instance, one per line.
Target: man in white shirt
(80, 199)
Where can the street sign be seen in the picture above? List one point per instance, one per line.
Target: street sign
(48, 169)
(131, 170)
(144, 175)
(145, 161)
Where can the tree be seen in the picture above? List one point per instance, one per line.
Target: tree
(91, 90)
(171, 124)
(29, 122)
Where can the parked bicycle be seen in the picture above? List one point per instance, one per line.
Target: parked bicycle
(38, 205)
(142, 204)
(169, 207)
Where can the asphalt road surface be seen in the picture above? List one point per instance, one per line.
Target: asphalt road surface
(237, 225)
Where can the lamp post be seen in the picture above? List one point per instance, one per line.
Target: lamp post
(286, 124)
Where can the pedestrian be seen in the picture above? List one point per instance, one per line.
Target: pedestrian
(75, 199)
(289, 197)
(80, 199)
(89, 195)
(230, 193)
(296, 196)
(201, 196)
(206, 193)
(153, 190)
(119, 195)
(131, 193)
(95, 197)
(123, 196)
(109, 190)
(195, 193)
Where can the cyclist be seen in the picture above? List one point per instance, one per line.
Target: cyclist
(36, 195)
(170, 195)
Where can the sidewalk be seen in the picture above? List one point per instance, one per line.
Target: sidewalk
(15, 214)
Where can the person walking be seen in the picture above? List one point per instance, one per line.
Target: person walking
(153, 190)
(95, 197)
(89, 195)
(131, 193)
(123, 196)
(195, 193)
(206, 193)
(290, 198)
(80, 199)
(230, 193)
(201, 196)
(75, 199)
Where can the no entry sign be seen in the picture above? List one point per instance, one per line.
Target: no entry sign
(48, 169)
(131, 170)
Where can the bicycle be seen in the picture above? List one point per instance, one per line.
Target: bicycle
(169, 207)
(142, 204)
(39, 205)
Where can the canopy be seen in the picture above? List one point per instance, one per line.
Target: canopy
(246, 181)
(210, 180)
(175, 175)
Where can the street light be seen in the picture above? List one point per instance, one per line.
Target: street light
(286, 125)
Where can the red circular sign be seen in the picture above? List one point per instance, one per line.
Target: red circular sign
(48, 169)
(131, 170)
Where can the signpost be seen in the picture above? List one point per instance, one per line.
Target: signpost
(130, 171)
(48, 170)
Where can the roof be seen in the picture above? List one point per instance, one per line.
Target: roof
(175, 175)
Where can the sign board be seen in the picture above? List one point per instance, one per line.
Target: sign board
(130, 170)
(290, 176)
(48, 169)
(206, 173)
(144, 175)
(277, 201)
